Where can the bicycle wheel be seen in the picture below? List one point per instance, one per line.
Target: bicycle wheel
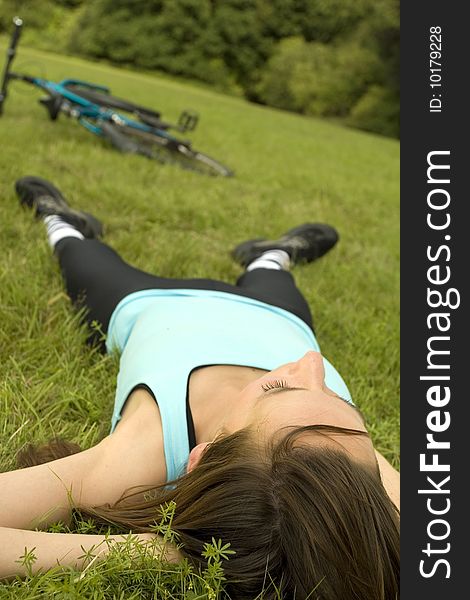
(167, 150)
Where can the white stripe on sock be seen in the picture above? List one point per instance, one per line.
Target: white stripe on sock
(271, 259)
(58, 229)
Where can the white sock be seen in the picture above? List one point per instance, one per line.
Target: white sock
(271, 259)
(58, 229)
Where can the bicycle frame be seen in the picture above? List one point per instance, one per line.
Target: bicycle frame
(93, 106)
(87, 113)
(83, 109)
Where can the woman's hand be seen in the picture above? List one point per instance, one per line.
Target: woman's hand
(48, 550)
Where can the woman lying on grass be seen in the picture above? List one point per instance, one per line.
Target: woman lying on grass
(225, 407)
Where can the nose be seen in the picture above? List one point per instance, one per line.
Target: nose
(311, 368)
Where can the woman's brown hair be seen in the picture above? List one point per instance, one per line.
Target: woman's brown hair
(301, 517)
(37, 454)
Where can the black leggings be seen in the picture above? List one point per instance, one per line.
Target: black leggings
(97, 278)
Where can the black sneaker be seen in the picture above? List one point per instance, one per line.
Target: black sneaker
(46, 200)
(304, 243)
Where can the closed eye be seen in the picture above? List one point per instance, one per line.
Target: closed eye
(275, 384)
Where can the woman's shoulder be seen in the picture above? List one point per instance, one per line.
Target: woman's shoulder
(133, 453)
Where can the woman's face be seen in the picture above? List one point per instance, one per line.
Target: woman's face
(295, 394)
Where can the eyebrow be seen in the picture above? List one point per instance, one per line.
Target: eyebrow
(292, 389)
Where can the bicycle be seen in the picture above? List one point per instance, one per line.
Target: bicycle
(144, 132)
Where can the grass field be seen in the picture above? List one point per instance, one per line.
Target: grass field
(289, 169)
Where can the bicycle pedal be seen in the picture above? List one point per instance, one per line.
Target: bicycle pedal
(188, 120)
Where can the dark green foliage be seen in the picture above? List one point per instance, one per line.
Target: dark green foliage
(47, 22)
(377, 110)
(36, 13)
(320, 57)
(316, 78)
(69, 3)
(323, 20)
(356, 76)
(314, 20)
(150, 34)
(243, 46)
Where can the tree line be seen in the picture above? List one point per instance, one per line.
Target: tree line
(330, 58)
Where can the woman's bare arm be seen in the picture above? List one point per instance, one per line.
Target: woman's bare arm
(35, 497)
(64, 549)
(390, 479)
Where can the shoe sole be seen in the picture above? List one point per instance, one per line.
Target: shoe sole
(248, 251)
(27, 197)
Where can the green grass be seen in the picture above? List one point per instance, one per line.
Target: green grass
(289, 169)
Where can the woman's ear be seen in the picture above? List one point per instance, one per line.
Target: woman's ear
(195, 456)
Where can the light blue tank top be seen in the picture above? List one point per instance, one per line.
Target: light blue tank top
(163, 335)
